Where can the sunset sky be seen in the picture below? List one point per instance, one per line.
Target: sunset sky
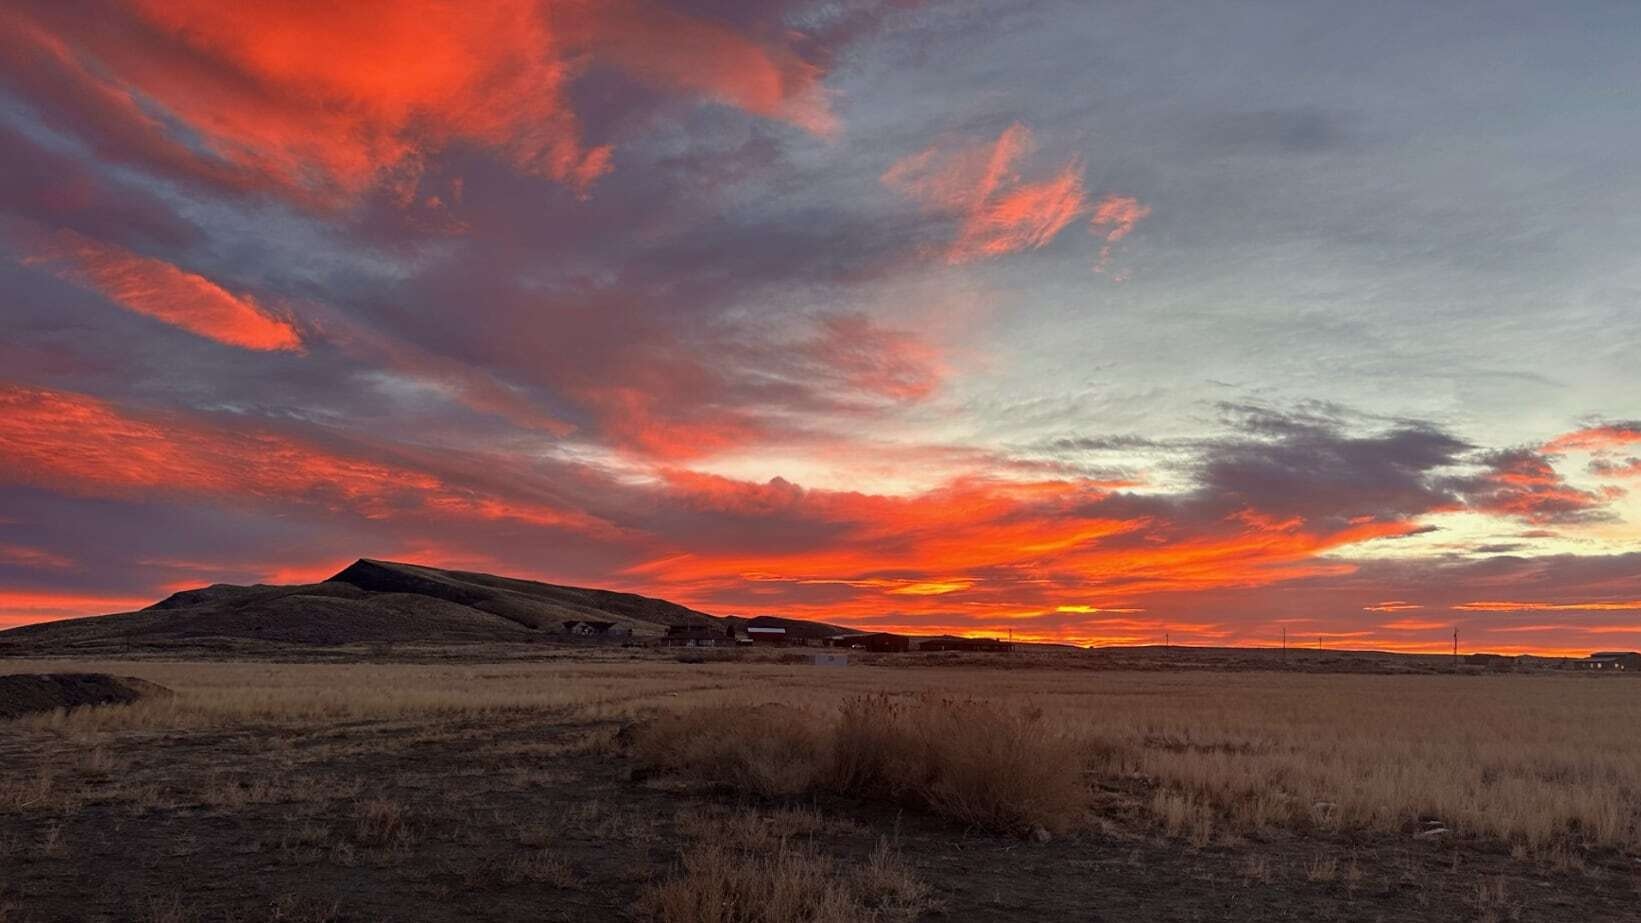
(1092, 322)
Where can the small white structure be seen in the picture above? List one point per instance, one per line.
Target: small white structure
(829, 659)
(764, 635)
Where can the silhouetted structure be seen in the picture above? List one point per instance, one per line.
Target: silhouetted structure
(762, 634)
(880, 642)
(976, 645)
(1620, 661)
(698, 636)
(588, 629)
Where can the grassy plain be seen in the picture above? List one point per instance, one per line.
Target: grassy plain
(653, 789)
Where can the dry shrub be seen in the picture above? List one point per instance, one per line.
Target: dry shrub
(768, 750)
(380, 822)
(994, 767)
(998, 768)
(786, 885)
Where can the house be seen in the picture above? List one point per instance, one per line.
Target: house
(880, 642)
(829, 659)
(765, 634)
(698, 636)
(1616, 661)
(979, 645)
(589, 629)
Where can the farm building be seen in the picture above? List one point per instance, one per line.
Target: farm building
(881, 642)
(1621, 661)
(591, 629)
(981, 645)
(698, 636)
(762, 634)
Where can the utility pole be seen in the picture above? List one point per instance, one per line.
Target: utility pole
(1455, 647)
(1284, 642)
(1167, 639)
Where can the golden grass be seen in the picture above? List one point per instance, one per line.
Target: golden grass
(1550, 764)
(994, 767)
(786, 884)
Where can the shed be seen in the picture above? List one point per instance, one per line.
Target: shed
(881, 642)
(1615, 661)
(698, 636)
(763, 634)
(983, 645)
(587, 629)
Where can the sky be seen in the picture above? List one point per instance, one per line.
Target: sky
(1095, 322)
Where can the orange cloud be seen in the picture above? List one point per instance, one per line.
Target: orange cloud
(22, 607)
(81, 445)
(1590, 606)
(1014, 550)
(157, 289)
(325, 101)
(1000, 211)
(1597, 438)
(673, 51)
(24, 556)
(1394, 605)
(1114, 218)
(1414, 625)
(1025, 217)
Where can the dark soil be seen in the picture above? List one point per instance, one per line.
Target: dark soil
(25, 693)
(265, 823)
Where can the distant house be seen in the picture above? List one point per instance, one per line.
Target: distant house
(589, 629)
(764, 634)
(978, 645)
(698, 636)
(1616, 661)
(881, 642)
(830, 659)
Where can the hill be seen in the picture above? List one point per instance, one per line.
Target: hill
(368, 602)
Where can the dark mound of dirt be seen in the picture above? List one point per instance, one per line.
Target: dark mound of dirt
(25, 693)
(368, 603)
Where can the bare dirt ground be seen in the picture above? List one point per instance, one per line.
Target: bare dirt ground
(325, 792)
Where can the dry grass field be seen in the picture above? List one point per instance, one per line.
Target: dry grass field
(657, 790)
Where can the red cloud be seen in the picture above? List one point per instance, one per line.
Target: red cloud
(1001, 212)
(326, 100)
(1394, 605)
(1590, 606)
(157, 289)
(24, 556)
(1115, 218)
(980, 549)
(77, 444)
(1597, 438)
(675, 51)
(23, 607)
(1522, 483)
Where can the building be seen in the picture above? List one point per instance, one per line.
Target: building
(974, 645)
(879, 642)
(589, 629)
(830, 659)
(1615, 661)
(765, 634)
(698, 636)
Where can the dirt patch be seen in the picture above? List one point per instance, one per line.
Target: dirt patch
(25, 693)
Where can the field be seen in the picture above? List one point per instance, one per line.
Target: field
(577, 788)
